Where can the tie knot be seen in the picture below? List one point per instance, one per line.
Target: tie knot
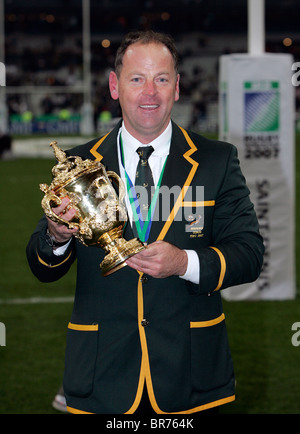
(144, 152)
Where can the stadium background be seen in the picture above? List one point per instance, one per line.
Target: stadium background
(41, 45)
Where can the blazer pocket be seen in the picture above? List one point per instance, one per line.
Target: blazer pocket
(201, 324)
(210, 362)
(80, 360)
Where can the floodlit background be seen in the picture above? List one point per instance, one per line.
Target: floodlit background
(56, 88)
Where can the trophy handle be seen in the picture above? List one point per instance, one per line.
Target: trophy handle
(122, 191)
(47, 199)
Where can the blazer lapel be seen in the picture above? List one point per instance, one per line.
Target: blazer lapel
(106, 149)
(179, 173)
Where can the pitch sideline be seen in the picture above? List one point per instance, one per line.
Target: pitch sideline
(36, 300)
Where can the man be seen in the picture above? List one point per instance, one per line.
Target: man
(153, 333)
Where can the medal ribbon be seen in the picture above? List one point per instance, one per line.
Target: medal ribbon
(143, 227)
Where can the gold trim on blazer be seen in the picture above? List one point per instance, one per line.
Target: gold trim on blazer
(212, 322)
(223, 267)
(83, 327)
(52, 266)
(94, 151)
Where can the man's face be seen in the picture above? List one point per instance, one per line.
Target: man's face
(147, 88)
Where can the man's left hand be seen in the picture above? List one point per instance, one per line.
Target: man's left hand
(160, 259)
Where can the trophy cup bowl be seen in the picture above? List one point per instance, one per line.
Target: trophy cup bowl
(100, 212)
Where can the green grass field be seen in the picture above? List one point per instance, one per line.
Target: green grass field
(267, 365)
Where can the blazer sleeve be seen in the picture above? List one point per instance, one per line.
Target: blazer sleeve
(236, 253)
(46, 266)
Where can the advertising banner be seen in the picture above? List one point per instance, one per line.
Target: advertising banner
(256, 114)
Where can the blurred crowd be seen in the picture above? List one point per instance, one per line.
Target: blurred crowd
(58, 64)
(54, 61)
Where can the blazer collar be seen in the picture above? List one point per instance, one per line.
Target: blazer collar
(106, 149)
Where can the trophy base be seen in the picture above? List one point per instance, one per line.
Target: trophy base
(120, 250)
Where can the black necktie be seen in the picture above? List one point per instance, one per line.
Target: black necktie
(144, 179)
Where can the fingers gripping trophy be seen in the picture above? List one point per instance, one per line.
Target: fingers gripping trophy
(100, 212)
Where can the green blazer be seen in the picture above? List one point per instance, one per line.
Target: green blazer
(129, 331)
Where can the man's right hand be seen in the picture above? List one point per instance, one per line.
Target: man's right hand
(60, 232)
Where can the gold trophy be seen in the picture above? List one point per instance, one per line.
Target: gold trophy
(100, 214)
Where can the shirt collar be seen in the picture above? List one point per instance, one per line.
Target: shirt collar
(161, 144)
